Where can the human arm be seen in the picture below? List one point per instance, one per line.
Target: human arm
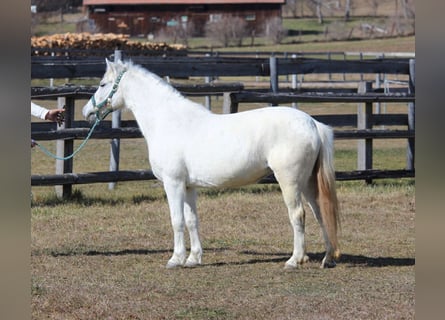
(38, 111)
(55, 115)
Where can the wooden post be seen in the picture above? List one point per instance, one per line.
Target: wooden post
(294, 84)
(329, 59)
(115, 143)
(364, 121)
(377, 86)
(257, 79)
(51, 80)
(233, 104)
(208, 101)
(410, 150)
(65, 147)
(412, 75)
(273, 75)
(226, 103)
(285, 56)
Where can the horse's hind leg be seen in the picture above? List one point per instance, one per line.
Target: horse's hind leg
(192, 223)
(311, 198)
(292, 198)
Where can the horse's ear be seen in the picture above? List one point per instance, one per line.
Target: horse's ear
(110, 65)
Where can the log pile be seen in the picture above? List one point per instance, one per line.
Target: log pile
(85, 44)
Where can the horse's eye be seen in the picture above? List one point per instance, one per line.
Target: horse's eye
(102, 84)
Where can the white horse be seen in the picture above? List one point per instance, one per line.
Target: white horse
(191, 147)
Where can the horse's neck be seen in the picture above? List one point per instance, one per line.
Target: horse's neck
(156, 106)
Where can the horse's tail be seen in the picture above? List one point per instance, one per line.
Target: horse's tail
(325, 186)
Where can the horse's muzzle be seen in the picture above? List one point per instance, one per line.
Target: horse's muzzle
(91, 118)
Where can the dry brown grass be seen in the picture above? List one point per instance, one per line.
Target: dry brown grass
(103, 256)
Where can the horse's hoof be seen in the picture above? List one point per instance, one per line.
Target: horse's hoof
(328, 264)
(190, 264)
(193, 261)
(173, 265)
(289, 267)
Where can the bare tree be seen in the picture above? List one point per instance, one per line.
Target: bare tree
(183, 31)
(407, 7)
(228, 29)
(292, 7)
(274, 30)
(319, 13)
(404, 18)
(374, 5)
(347, 10)
(315, 6)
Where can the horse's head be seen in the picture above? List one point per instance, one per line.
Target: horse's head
(108, 97)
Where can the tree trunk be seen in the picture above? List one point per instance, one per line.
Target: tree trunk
(319, 13)
(347, 10)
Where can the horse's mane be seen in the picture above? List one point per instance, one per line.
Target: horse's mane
(129, 65)
(159, 85)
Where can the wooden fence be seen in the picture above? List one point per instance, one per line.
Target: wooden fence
(57, 67)
(234, 95)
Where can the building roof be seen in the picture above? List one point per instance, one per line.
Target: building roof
(196, 2)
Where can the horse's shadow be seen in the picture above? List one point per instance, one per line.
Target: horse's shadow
(349, 259)
(143, 252)
(257, 257)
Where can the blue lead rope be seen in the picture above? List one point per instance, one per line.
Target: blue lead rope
(84, 142)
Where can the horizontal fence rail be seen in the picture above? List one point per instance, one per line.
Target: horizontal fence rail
(67, 53)
(87, 91)
(319, 97)
(45, 68)
(142, 175)
(134, 132)
(234, 95)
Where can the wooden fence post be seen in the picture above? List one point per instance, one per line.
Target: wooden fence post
(65, 147)
(226, 103)
(294, 84)
(377, 86)
(208, 99)
(233, 107)
(51, 80)
(329, 56)
(364, 121)
(273, 75)
(410, 150)
(115, 143)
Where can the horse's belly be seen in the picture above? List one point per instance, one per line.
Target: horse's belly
(226, 177)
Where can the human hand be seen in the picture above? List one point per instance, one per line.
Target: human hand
(56, 115)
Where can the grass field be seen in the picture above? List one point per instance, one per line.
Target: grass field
(102, 256)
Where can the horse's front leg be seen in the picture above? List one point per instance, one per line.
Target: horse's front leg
(192, 223)
(175, 191)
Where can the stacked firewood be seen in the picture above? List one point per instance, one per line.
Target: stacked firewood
(86, 43)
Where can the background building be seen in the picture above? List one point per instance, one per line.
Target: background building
(152, 17)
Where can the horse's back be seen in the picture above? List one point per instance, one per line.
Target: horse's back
(273, 126)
